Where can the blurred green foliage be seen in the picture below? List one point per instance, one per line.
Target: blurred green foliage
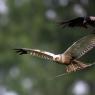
(28, 24)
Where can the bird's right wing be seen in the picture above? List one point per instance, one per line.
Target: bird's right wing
(36, 52)
(82, 46)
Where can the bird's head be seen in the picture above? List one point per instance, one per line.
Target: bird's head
(57, 58)
(61, 58)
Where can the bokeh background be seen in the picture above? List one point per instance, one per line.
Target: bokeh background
(32, 24)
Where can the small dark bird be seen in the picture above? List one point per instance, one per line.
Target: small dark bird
(79, 22)
(69, 57)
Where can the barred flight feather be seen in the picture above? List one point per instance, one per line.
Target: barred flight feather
(35, 52)
(87, 49)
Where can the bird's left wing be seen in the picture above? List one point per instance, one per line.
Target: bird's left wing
(36, 52)
(82, 46)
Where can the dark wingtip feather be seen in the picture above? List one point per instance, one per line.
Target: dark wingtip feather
(62, 23)
(20, 51)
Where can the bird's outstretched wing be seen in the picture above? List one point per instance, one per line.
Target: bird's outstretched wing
(35, 52)
(77, 22)
(81, 47)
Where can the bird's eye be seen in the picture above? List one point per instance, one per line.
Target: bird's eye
(57, 58)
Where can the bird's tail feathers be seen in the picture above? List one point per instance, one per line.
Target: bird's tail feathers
(76, 65)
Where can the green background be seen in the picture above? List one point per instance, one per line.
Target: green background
(33, 24)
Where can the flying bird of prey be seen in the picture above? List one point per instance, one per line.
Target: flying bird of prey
(70, 57)
(79, 22)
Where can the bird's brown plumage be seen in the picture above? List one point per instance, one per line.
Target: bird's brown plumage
(69, 57)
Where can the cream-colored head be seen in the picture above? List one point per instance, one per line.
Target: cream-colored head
(62, 58)
(59, 58)
(56, 58)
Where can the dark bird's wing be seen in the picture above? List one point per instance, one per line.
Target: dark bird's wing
(81, 47)
(35, 52)
(77, 22)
